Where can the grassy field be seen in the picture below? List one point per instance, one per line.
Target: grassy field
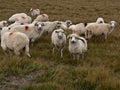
(100, 69)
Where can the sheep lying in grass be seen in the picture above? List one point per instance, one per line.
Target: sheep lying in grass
(34, 12)
(58, 40)
(15, 41)
(99, 29)
(77, 45)
(33, 31)
(42, 18)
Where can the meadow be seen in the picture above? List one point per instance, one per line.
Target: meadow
(99, 70)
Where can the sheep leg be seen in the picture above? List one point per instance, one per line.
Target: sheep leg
(16, 52)
(82, 55)
(78, 56)
(61, 51)
(53, 50)
(27, 50)
(105, 37)
(73, 57)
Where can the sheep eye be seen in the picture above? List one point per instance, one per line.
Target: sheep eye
(56, 31)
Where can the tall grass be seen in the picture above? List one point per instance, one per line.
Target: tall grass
(99, 70)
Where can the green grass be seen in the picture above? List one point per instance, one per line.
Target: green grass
(99, 70)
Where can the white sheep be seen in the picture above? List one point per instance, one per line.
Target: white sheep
(50, 26)
(77, 45)
(3, 23)
(42, 18)
(23, 19)
(15, 41)
(100, 20)
(58, 39)
(79, 29)
(66, 24)
(34, 12)
(99, 29)
(33, 31)
(14, 17)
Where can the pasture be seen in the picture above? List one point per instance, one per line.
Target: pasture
(99, 70)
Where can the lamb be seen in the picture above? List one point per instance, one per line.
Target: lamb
(42, 18)
(58, 39)
(99, 29)
(15, 41)
(77, 45)
(33, 31)
(35, 12)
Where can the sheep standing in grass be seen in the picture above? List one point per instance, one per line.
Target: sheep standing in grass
(79, 29)
(50, 26)
(42, 18)
(66, 24)
(35, 12)
(33, 31)
(99, 29)
(58, 40)
(77, 45)
(15, 41)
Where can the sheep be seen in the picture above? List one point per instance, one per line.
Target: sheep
(100, 20)
(58, 39)
(77, 46)
(3, 23)
(34, 12)
(79, 29)
(42, 18)
(66, 24)
(99, 29)
(15, 41)
(50, 26)
(15, 16)
(23, 19)
(33, 31)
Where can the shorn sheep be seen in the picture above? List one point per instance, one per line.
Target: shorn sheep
(58, 39)
(34, 12)
(99, 29)
(42, 18)
(15, 41)
(77, 45)
(33, 31)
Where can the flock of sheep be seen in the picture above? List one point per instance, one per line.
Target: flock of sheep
(24, 31)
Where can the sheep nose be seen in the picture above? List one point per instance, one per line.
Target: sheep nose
(60, 37)
(72, 41)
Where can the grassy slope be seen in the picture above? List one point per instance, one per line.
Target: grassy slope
(100, 70)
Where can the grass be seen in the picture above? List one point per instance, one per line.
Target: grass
(100, 69)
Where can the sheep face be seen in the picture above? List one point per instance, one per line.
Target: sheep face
(73, 38)
(59, 33)
(69, 23)
(112, 23)
(39, 26)
(58, 24)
